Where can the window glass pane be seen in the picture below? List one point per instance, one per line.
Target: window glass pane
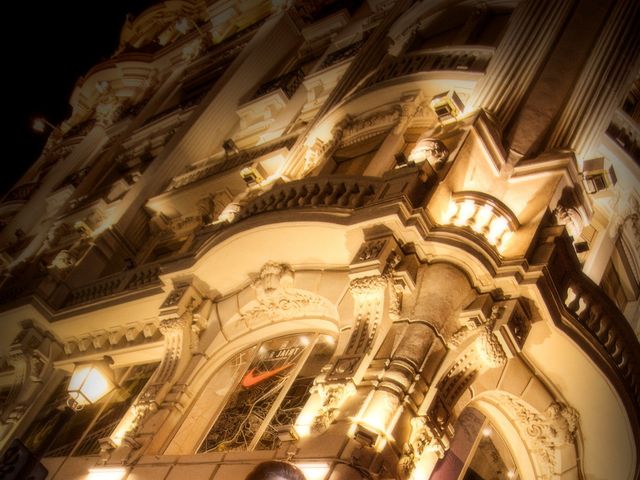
(492, 459)
(121, 400)
(262, 386)
(298, 393)
(57, 430)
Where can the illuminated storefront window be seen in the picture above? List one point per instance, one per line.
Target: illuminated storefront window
(270, 393)
(58, 431)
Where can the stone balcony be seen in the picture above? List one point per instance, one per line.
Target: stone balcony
(484, 215)
(582, 310)
(463, 59)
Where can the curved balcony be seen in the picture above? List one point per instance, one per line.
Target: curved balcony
(339, 192)
(484, 215)
(591, 318)
(461, 59)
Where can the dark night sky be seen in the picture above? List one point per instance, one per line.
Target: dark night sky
(46, 47)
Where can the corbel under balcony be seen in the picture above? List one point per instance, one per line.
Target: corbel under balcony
(257, 115)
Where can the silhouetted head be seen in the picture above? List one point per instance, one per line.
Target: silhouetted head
(276, 470)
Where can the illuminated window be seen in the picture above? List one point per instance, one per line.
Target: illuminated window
(270, 393)
(58, 432)
(477, 452)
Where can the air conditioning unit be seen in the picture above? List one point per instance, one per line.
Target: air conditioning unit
(596, 177)
(252, 175)
(447, 105)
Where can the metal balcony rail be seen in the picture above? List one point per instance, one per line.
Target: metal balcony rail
(472, 59)
(288, 83)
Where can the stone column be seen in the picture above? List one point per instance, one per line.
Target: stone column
(530, 33)
(603, 83)
(376, 304)
(441, 292)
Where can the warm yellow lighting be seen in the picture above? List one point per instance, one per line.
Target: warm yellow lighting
(496, 229)
(314, 471)
(511, 474)
(467, 209)
(107, 473)
(89, 383)
(482, 218)
(486, 431)
(504, 240)
(451, 211)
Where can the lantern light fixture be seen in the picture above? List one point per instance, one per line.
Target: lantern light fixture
(40, 124)
(90, 382)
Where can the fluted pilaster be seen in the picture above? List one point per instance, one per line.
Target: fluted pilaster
(603, 82)
(531, 32)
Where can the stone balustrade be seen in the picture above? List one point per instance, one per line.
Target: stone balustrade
(227, 164)
(484, 215)
(592, 318)
(341, 192)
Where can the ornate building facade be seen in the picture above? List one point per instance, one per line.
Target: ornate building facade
(378, 239)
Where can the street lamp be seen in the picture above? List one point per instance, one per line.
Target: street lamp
(40, 124)
(89, 383)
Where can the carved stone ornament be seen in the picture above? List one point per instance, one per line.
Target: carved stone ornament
(421, 440)
(109, 107)
(430, 150)
(31, 355)
(181, 310)
(192, 50)
(277, 300)
(544, 433)
(570, 218)
(332, 395)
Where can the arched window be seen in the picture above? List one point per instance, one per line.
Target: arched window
(269, 394)
(477, 451)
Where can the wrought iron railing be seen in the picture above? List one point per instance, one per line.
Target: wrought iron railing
(472, 59)
(128, 280)
(288, 83)
(341, 54)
